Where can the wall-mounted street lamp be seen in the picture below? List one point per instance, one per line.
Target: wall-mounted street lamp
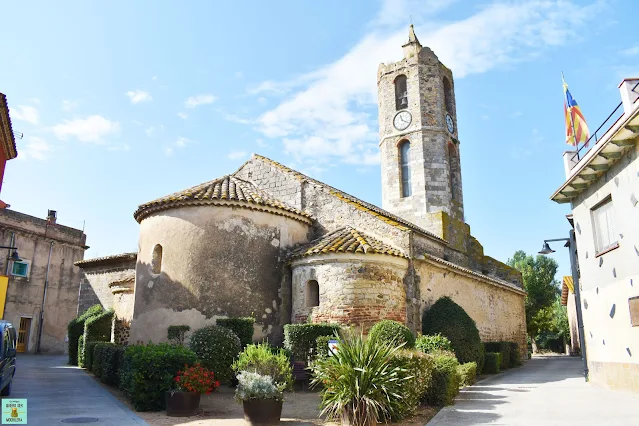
(14, 255)
(572, 248)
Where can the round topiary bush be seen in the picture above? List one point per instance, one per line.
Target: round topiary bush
(392, 333)
(216, 347)
(450, 319)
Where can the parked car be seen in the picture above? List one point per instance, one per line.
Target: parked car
(8, 357)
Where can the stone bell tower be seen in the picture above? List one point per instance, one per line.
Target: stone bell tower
(421, 172)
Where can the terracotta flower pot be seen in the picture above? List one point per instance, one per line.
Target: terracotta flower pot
(262, 411)
(182, 404)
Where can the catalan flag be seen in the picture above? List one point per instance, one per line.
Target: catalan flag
(576, 127)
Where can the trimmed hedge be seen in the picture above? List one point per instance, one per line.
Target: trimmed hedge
(242, 327)
(433, 343)
(80, 355)
(75, 329)
(97, 329)
(450, 319)
(515, 356)
(503, 348)
(417, 373)
(392, 333)
(148, 371)
(467, 373)
(87, 361)
(445, 384)
(107, 361)
(492, 363)
(177, 333)
(216, 347)
(301, 339)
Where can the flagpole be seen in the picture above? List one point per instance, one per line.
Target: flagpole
(572, 122)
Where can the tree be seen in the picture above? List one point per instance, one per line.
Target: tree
(539, 281)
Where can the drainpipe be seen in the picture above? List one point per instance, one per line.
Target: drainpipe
(44, 299)
(580, 318)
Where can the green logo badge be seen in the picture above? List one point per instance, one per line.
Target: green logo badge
(14, 411)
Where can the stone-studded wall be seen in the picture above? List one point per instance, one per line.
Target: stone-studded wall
(217, 261)
(356, 290)
(97, 274)
(497, 310)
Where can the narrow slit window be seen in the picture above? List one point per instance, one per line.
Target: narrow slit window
(448, 96)
(401, 93)
(157, 259)
(312, 294)
(404, 151)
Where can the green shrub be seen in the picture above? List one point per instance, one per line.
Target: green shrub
(107, 360)
(242, 327)
(467, 373)
(97, 329)
(216, 347)
(450, 319)
(80, 355)
(503, 348)
(392, 333)
(76, 328)
(264, 360)
(359, 382)
(433, 343)
(148, 371)
(492, 363)
(88, 349)
(321, 346)
(515, 356)
(177, 333)
(445, 384)
(417, 371)
(301, 339)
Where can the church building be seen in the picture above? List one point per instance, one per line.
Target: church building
(272, 243)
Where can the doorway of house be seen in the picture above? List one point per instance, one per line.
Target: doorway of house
(23, 334)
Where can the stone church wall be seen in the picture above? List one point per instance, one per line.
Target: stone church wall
(216, 261)
(356, 290)
(498, 310)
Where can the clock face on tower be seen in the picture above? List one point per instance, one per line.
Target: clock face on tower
(402, 120)
(450, 124)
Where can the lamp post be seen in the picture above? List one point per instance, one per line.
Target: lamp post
(572, 248)
(14, 255)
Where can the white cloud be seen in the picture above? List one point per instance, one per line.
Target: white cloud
(90, 129)
(36, 148)
(150, 131)
(331, 112)
(235, 119)
(154, 78)
(25, 113)
(179, 143)
(182, 115)
(69, 105)
(633, 51)
(236, 155)
(198, 100)
(261, 143)
(138, 96)
(35, 101)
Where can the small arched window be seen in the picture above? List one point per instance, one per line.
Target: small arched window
(312, 294)
(448, 96)
(156, 262)
(453, 165)
(401, 93)
(404, 158)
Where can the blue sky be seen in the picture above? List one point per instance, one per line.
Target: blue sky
(123, 102)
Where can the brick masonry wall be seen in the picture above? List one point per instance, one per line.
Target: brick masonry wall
(354, 290)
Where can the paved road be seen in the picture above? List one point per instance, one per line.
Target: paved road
(56, 392)
(545, 391)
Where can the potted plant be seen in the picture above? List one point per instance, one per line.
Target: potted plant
(191, 383)
(261, 398)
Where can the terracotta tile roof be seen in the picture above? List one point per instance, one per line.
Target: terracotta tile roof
(346, 240)
(217, 192)
(98, 261)
(381, 214)
(7, 138)
(435, 259)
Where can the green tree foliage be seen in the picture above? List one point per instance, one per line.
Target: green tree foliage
(539, 281)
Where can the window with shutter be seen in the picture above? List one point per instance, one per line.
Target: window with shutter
(604, 224)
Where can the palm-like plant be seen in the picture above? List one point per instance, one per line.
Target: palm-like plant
(361, 384)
